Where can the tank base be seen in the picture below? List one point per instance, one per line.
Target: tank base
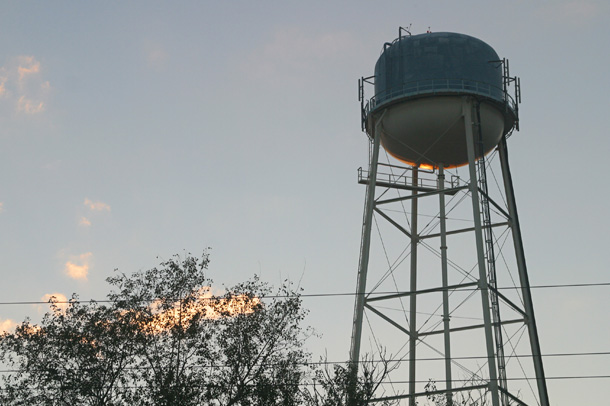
(429, 131)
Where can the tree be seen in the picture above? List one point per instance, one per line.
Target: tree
(162, 338)
(475, 397)
(335, 386)
(73, 357)
(262, 352)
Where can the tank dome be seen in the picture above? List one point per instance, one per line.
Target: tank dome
(420, 84)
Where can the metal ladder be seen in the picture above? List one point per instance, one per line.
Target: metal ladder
(490, 254)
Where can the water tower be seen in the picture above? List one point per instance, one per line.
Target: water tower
(443, 290)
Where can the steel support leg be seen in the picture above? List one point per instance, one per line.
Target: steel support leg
(364, 260)
(445, 281)
(476, 212)
(413, 289)
(523, 277)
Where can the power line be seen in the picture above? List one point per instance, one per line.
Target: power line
(370, 361)
(321, 295)
(305, 384)
(514, 379)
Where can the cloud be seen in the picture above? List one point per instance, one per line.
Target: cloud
(3, 80)
(1, 207)
(7, 325)
(77, 271)
(78, 267)
(157, 57)
(294, 52)
(59, 297)
(156, 54)
(575, 12)
(29, 106)
(96, 206)
(93, 207)
(22, 85)
(580, 9)
(27, 66)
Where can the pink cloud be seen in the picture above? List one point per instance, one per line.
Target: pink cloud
(78, 268)
(579, 12)
(27, 66)
(7, 325)
(3, 91)
(293, 52)
(22, 84)
(28, 106)
(96, 206)
(59, 298)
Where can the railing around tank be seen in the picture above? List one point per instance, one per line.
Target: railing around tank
(434, 86)
(425, 181)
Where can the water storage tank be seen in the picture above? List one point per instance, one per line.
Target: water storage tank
(420, 86)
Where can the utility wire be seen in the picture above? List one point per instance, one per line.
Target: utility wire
(330, 294)
(370, 361)
(304, 384)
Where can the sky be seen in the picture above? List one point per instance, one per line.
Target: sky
(133, 131)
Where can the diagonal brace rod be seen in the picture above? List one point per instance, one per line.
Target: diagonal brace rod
(389, 320)
(395, 224)
(432, 290)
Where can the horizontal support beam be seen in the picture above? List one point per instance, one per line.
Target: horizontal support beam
(396, 185)
(432, 392)
(462, 230)
(449, 191)
(472, 327)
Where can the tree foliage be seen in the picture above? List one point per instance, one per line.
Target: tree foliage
(337, 385)
(474, 397)
(162, 338)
